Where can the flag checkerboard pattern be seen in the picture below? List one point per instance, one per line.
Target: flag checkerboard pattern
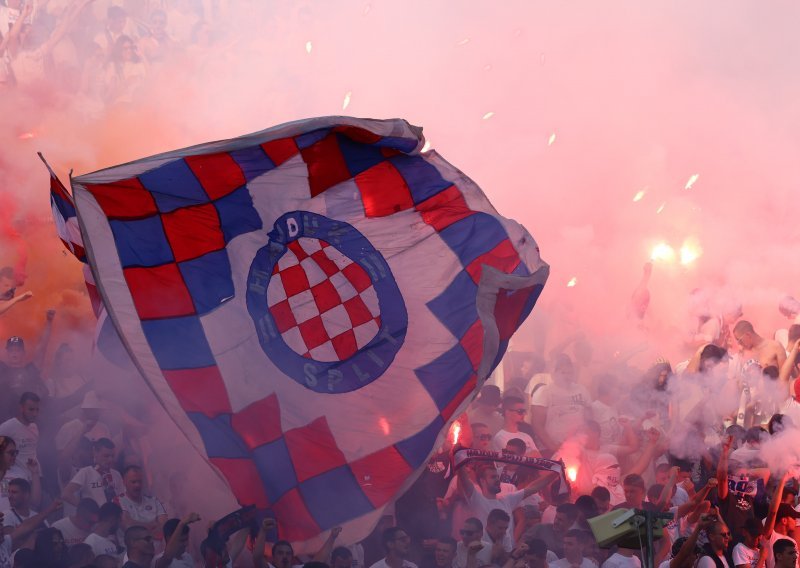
(173, 220)
(323, 303)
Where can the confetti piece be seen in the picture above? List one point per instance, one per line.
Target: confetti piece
(639, 195)
(346, 102)
(691, 181)
(552, 139)
(308, 47)
(488, 115)
(572, 282)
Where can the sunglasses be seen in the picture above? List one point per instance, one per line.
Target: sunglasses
(485, 437)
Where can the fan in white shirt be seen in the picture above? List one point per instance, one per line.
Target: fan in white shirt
(23, 429)
(102, 539)
(138, 508)
(573, 553)
(98, 482)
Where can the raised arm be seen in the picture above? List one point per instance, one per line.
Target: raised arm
(769, 522)
(540, 483)
(44, 340)
(649, 452)
(6, 305)
(324, 553)
(260, 545)
(174, 544)
(722, 469)
(24, 530)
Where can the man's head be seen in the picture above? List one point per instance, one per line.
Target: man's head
(789, 494)
(745, 335)
(634, 489)
(170, 526)
(471, 530)
(133, 477)
(489, 397)
(591, 431)
(396, 542)
(586, 506)
(15, 351)
(754, 435)
(341, 557)
(497, 524)
(573, 551)
(80, 554)
(786, 519)
(536, 555)
(28, 407)
(515, 447)
(566, 513)
(19, 493)
(489, 479)
(564, 370)
(602, 498)
(110, 516)
(752, 529)
(282, 554)
(514, 410)
(445, 552)
(139, 544)
(719, 536)
(103, 453)
(481, 437)
(785, 553)
(87, 513)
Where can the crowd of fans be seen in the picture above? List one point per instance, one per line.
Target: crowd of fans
(76, 490)
(100, 52)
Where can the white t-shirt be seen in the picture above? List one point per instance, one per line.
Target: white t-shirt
(775, 537)
(566, 405)
(480, 507)
(564, 563)
(101, 545)
(382, 564)
(91, 484)
(145, 512)
(15, 518)
(183, 561)
(72, 533)
(617, 560)
(503, 436)
(484, 555)
(708, 562)
(26, 438)
(665, 564)
(608, 419)
(743, 554)
(74, 428)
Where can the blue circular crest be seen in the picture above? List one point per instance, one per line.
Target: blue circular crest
(349, 368)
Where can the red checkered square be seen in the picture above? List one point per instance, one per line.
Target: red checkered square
(508, 309)
(472, 342)
(283, 316)
(313, 449)
(294, 280)
(159, 292)
(444, 208)
(297, 249)
(126, 199)
(502, 257)
(259, 423)
(199, 390)
(383, 191)
(313, 332)
(326, 264)
(219, 174)
(326, 165)
(193, 231)
(242, 475)
(326, 296)
(301, 525)
(381, 474)
(357, 276)
(345, 344)
(358, 311)
(280, 150)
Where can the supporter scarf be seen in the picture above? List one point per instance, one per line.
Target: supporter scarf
(465, 455)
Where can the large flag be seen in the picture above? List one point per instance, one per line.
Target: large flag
(313, 304)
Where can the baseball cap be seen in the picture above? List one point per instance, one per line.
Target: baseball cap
(15, 341)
